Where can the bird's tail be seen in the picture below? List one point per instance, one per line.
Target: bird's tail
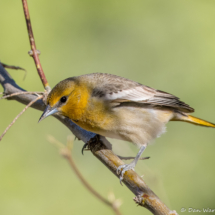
(193, 120)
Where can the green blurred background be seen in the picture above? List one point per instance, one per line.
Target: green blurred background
(168, 45)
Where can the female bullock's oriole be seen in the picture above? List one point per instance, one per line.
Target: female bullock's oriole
(118, 108)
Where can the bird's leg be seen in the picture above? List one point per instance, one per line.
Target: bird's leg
(127, 167)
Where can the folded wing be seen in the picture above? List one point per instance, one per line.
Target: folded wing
(147, 95)
(118, 90)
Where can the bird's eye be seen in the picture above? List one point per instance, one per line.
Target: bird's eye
(63, 99)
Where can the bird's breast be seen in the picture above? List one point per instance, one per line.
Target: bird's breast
(96, 116)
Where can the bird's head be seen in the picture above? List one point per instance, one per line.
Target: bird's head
(60, 98)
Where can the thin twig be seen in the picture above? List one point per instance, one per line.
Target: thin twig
(26, 107)
(33, 47)
(20, 93)
(66, 153)
(86, 184)
(129, 158)
(14, 67)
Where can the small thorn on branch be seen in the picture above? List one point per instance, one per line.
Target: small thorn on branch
(31, 52)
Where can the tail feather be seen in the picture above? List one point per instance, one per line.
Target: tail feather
(193, 120)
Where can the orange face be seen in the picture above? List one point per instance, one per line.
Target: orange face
(76, 104)
(64, 88)
(59, 97)
(68, 98)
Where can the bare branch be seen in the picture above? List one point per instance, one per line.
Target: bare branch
(66, 153)
(33, 47)
(17, 117)
(134, 182)
(15, 67)
(20, 93)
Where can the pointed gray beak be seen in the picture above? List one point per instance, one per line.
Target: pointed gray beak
(47, 112)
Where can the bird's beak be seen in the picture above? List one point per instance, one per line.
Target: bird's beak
(47, 112)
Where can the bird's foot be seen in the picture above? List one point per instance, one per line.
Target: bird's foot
(123, 168)
(85, 147)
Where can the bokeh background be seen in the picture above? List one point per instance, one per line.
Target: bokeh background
(168, 45)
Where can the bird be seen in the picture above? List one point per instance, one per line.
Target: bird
(119, 108)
